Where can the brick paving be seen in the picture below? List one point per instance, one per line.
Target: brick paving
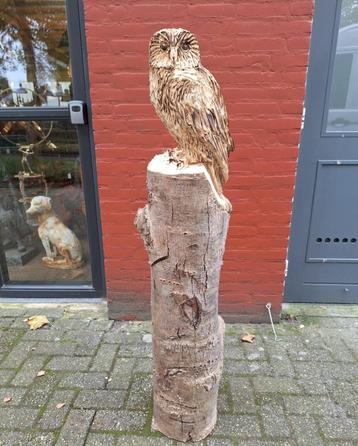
(96, 391)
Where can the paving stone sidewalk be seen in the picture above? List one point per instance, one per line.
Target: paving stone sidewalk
(96, 390)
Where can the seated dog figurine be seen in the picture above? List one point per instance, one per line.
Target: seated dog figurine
(63, 249)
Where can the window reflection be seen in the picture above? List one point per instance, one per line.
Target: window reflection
(43, 231)
(34, 54)
(343, 103)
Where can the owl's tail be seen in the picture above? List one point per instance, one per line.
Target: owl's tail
(216, 161)
(216, 176)
(219, 175)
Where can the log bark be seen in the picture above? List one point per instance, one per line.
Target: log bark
(184, 227)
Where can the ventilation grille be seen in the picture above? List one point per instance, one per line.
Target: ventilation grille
(336, 240)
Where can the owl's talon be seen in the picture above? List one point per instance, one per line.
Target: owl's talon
(175, 156)
(227, 204)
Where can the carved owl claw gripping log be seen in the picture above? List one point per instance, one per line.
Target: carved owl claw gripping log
(184, 227)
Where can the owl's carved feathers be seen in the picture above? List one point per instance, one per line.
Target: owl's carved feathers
(188, 100)
(204, 113)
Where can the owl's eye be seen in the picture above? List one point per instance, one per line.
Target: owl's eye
(185, 45)
(164, 46)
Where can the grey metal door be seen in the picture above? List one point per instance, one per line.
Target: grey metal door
(323, 247)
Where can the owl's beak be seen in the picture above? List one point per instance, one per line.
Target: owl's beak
(173, 55)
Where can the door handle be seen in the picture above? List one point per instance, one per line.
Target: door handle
(77, 112)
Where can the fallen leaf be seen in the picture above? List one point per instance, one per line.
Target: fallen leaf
(60, 405)
(248, 338)
(36, 322)
(41, 373)
(288, 317)
(7, 399)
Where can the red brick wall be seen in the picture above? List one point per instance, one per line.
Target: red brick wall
(257, 50)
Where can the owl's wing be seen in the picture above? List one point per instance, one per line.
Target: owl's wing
(203, 111)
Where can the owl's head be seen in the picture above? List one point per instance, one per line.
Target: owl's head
(174, 48)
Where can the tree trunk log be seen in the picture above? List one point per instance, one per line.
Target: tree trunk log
(184, 228)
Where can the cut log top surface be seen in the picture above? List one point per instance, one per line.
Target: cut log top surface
(160, 164)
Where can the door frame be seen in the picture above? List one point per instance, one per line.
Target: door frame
(80, 88)
(319, 79)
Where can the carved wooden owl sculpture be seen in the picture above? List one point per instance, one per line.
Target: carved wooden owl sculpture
(188, 100)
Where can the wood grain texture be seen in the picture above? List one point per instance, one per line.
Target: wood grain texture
(184, 228)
